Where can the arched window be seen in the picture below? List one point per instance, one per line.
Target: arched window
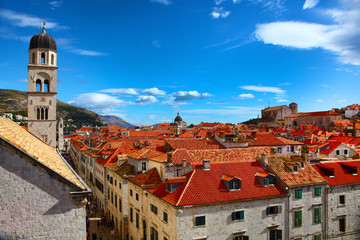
(38, 85)
(38, 113)
(33, 58)
(46, 114)
(42, 57)
(46, 86)
(42, 114)
(52, 59)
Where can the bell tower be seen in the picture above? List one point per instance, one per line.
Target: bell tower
(42, 81)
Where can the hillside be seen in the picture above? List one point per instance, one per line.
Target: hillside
(15, 102)
(113, 120)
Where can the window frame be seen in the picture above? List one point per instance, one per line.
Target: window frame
(318, 191)
(298, 193)
(317, 215)
(342, 199)
(238, 215)
(200, 221)
(298, 218)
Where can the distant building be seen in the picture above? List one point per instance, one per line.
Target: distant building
(41, 195)
(321, 119)
(352, 110)
(177, 125)
(274, 116)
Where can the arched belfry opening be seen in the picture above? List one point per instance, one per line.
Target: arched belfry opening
(38, 85)
(46, 86)
(43, 57)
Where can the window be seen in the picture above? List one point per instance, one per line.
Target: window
(318, 237)
(235, 184)
(268, 181)
(337, 152)
(42, 57)
(130, 192)
(317, 215)
(346, 152)
(302, 164)
(241, 238)
(143, 166)
(46, 86)
(119, 185)
(52, 59)
(238, 215)
(295, 168)
(342, 222)
(153, 234)
(200, 221)
(279, 150)
(33, 58)
(298, 218)
(298, 193)
(137, 220)
(112, 197)
(273, 210)
(108, 194)
(165, 238)
(342, 199)
(115, 201)
(131, 214)
(275, 234)
(318, 191)
(165, 217)
(137, 197)
(38, 85)
(115, 182)
(119, 205)
(153, 208)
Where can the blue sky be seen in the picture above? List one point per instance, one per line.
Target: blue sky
(222, 60)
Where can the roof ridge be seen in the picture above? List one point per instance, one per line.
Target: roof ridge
(186, 187)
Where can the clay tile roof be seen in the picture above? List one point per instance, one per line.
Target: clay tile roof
(279, 165)
(227, 178)
(322, 113)
(37, 149)
(125, 169)
(261, 174)
(193, 143)
(289, 142)
(330, 147)
(145, 153)
(265, 139)
(161, 158)
(150, 178)
(341, 175)
(206, 187)
(187, 135)
(172, 180)
(218, 155)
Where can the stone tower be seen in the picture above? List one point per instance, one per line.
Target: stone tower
(42, 87)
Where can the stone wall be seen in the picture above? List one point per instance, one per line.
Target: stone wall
(35, 204)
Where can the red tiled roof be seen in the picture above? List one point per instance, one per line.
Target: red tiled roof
(144, 134)
(207, 124)
(289, 142)
(172, 180)
(187, 135)
(145, 153)
(206, 186)
(330, 147)
(265, 139)
(341, 175)
(193, 143)
(322, 113)
(161, 158)
(218, 155)
(202, 133)
(147, 179)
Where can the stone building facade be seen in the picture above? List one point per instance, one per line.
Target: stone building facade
(41, 196)
(320, 119)
(272, 116)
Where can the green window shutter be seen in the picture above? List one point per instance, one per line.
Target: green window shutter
(317, 215)
(318, 191)
(241, 214)
(318, 237)
(298, 193)
(298, 218)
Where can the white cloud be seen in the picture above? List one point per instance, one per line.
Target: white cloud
(55, 4)
(260, 100)
(154, 91)
(219, 12)
(87, 52)
(319, 100)
(342, 100)
(98, 102)
(121, 91)
(244, 96)
(226, 111)
(145, 100)
(237, 1)
(324, 85)
(165, 2)
(218, 2)
(310, 4)
(24, 20)
(23, 80)
(263, 89)
(340, 38)
(284, 84)
(189, 95)
(335, 96)
(274, 7)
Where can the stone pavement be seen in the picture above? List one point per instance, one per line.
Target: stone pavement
(104, 229)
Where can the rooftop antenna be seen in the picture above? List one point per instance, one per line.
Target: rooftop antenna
(43, 28)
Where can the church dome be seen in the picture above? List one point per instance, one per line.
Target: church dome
(42, 40)
(178, 118)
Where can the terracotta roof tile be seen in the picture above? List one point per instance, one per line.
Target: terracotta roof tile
(22, 139)
(193, 143)
(150, 178)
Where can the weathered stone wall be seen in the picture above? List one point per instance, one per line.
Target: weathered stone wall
(350, 210)
(34, 204)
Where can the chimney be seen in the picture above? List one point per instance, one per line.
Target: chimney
(266, 160)
(206, 164)
(222, 134)
(169, 158)
(184, 163)
(273, 151)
